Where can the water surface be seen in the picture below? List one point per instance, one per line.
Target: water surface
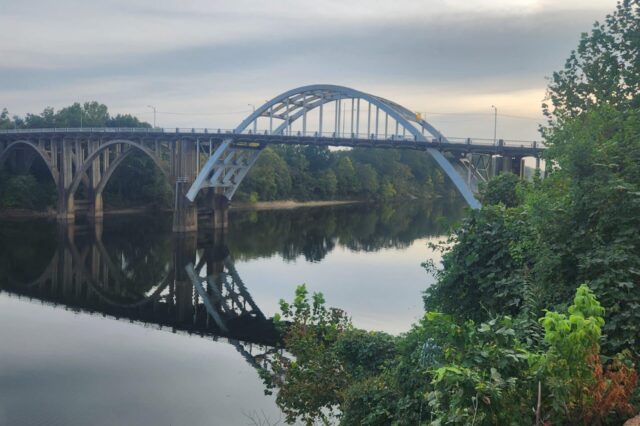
(103, 325)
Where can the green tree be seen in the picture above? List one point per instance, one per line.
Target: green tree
(604, 69)
(503, 189)
(367, 178)
(270, 178)
(328, 183)
(346, 175)
(126, 120)
(5, 120)
(387, 190)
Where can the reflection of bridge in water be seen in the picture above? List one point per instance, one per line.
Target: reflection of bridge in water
(199, 292)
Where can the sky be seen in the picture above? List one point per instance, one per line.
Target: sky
(202, 63)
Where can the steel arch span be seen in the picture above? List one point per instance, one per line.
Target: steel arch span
(229, 164)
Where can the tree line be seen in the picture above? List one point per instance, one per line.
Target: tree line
(312, 172)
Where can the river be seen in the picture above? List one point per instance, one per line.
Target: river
(104, 325)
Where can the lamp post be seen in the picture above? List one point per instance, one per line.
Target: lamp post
(154, 114)
(495, 122)
(255, 121)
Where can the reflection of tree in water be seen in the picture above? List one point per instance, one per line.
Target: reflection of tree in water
(314, 232)
(26, 249)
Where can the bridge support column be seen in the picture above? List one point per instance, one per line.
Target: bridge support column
(220, 211)
(185, 213)
(66, 207)
(95, 207)
(507, 164)
(96, 211)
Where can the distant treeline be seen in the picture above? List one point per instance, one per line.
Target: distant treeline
(281, 172)
(310, 172)
(89, 114)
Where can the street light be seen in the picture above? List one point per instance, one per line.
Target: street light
(154, 114)
(255, 121)
(495, 122)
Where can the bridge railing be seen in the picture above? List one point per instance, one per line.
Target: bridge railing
(373, 137)
(403, 138)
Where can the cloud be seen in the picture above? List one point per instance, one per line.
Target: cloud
(210, 56)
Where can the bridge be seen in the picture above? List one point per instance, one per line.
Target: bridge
(198, 292)
(206, 166)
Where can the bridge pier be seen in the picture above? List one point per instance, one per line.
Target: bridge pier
(185, 213)
(66, 206)
(220, 216)
(214, 209)
(96, 211)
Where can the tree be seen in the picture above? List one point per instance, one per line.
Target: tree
(604, 69)
(387, 190)
(502, 189)
(327, 183)
(346, 175)
(367, 178)
(270, 177)
(126, 120)
(5, 120)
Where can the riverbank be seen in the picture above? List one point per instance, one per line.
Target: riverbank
(16, 214)
(290, 204)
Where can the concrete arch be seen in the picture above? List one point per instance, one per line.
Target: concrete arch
(45, 157)
(86, 165)
(104, 180)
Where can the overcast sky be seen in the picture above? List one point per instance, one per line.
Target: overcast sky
(202, 62)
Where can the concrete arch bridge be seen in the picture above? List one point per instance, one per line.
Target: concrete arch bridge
(210, 164)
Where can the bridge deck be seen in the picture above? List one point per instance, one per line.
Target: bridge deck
(454, 145)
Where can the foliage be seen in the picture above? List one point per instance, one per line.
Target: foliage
(303, 173)
(271, 179)
(503, 189)
(89, 114)
(151, 187)
(603, 70)
(484, 272)
(575, 379)
(480, 375)
(450, 371)
(593, 234)
(33, 192)
(310, 386)
(365, 352)
(611, 390)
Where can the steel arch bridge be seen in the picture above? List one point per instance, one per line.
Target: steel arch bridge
(356, 117)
